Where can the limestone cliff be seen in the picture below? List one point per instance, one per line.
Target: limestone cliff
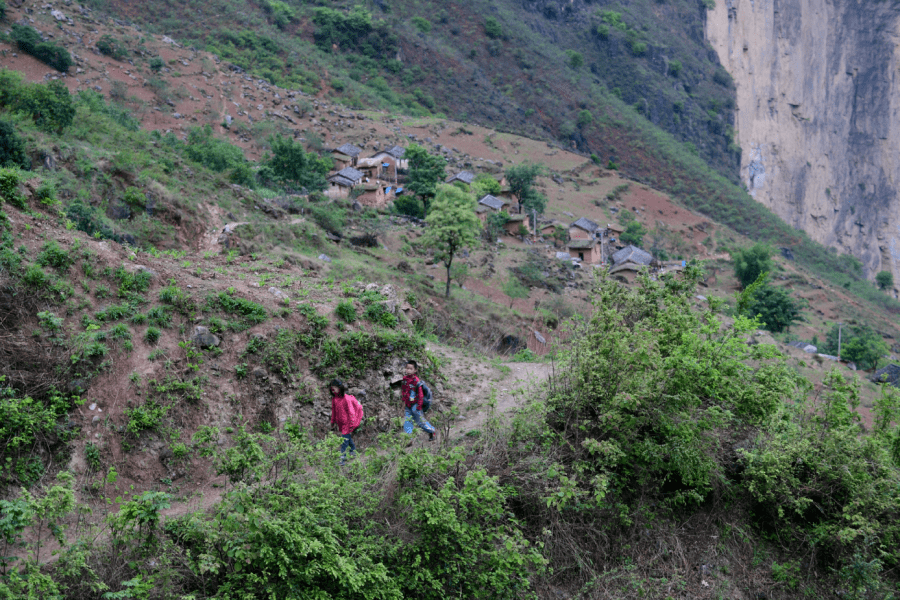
(818, 98)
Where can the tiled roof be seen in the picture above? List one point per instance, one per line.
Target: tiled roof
(581, 244)
(632, 254)
(340, 180)
(396, 151)
(464, 176)
(351, 173)
(493, 202)
(349, 149)
(585, 224)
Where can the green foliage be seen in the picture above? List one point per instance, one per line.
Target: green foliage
(378, 313)
(329, 217)
(649, 388)
(859, 344)
(585, 118)
(885, 280)
(576, 59)
(825, 486)
(346, 311)
(10, 180)
(213, 153)
(152, 335)
(50, 105)
(514, 289)
(492, 28)
(110, 46)
(452, 225)
(750, 262)
(250, 313)
(634, 234)
(351, 354)
(774, 308)
(485, 184)
(291, 166)
(282, 14)
(12, 147)
(147, 416)
(354, 31)
(426, 172)
(422, 24)
(30, 42)
(52, 255)
(408, 205)
(521, 179)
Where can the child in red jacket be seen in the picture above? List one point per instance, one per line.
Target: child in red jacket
(346, 414)
(413, 398)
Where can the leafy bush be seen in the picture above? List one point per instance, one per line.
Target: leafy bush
(885, 280)
(492, 28)
(823, 485)
(52, 255)
(213, 153)
(290, 165)
(50, 105)
(110, 46)
(156, 64)
(422, 24)
(12, 148)
(159, 316)
(10, 179)
(774, 308)
(859, 344)
(29, 41)
(329, 217)
(379, 314)
(634, 234)
(354, 31)
(147, 416)
(346, 311)
(250, 312)
(750, 263)
(152, 335)
(35, 277)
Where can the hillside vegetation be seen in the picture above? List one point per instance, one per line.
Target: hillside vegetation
(170, 312)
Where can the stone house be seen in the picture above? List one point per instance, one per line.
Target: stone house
(494, 203)
(515, 222)
(587, 251)
(584, 229)
(393, 158)
(342, 182)
(346, 155)
(370, 167)
(629, 260)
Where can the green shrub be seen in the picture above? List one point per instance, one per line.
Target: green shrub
(152, 335)
(30, 42)
(10, 179)
(147, 416)
(50, 105)
(346, 311)
(52, 255)
(492, 28)
(114, 312)
(423, 25)
(211, 152)
(159, 316)
(110, 46)
(250, 312)
(156, 64)
(119, 332)
(329, 217)
(12, 148)
(34, 276)
(750, 263)
(774, 308)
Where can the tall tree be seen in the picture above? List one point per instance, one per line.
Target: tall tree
(292, 165)
(452, 225)
(520, 179)
(426, 171)
(750, 262)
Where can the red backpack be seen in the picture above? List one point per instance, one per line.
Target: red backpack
(356, 410)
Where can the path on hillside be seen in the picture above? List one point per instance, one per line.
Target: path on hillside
(470, 379)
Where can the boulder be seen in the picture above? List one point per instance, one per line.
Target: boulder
(203, 338)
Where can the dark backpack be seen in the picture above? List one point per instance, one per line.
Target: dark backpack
(426, 395)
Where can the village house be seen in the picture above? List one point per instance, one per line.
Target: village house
(467, 177)
(370, 167)
(392, 160)
(515, 223)
(494, 203)
(584, 229)
(342, 182)
(629, 260)
(587, 251)
(346, 155)
(376, 194)
(552, 231)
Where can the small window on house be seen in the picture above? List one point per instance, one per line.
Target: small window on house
(581, 255)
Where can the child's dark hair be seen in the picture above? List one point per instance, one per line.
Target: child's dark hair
(414, 364)
(338, 384)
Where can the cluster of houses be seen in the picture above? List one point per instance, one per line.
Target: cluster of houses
(381, 177)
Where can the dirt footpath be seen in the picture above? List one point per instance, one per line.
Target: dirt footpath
(470, 381)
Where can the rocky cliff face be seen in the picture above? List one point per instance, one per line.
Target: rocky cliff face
(818, 98)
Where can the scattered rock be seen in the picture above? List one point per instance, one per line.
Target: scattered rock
(324, 257)
(203, 338)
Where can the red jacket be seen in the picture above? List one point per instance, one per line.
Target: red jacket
(346, 413)
(411, 391)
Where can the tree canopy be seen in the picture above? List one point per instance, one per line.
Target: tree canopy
(452, 225)
(292, 165)
(750, 262)
(520, 179)
(774, 307)
(859, 343)
(426, 171)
